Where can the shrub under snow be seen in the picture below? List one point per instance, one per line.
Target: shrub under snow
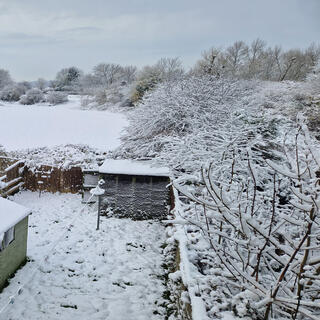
(12, 92)
(254, 227)
(55, 97)
(32, 96)
(248, 220)
(181, 107)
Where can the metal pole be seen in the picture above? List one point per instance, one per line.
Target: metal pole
(98, 220)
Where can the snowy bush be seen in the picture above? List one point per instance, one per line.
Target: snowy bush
(144, 85)
(256, 231)
(246, 215)
(309, 99)
(100, 95)
(87, 101)
(177, 113)
(12, 92)
(32, 96)
(184, 123)
(55, 97)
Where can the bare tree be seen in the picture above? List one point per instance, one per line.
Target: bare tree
(235, 57)
(107, 73)
(165, 70)
(255, 58)
(209, 63)
(257, 61)
(170, 69)
(128, 74)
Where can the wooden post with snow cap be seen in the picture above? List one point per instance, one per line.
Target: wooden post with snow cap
(98, 191)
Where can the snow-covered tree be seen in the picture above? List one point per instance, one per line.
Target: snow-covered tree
(257, 61)
(108, 85)
(107, 73)
(5, 78)
(166, 69)
(68, 79)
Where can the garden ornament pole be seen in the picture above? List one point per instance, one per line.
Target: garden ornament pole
(98, 191)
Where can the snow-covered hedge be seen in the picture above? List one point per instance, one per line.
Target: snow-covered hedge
(32, 96)
(63, 156)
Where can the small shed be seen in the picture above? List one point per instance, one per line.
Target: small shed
(135, 189)
(13, 238)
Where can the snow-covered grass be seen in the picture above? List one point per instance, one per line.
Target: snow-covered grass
(114, 273)
(40, 125)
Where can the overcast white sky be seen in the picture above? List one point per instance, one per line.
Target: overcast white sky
(39, 37)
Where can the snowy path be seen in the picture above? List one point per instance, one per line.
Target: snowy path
(108, 274)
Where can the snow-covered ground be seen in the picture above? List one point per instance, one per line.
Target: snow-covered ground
(114, 273)
(40, 125)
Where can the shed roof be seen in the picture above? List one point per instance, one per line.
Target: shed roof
(10, 214)
(133, 167)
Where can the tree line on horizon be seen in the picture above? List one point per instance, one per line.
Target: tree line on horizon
(110, 83)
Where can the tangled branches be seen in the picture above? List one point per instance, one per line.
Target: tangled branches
(261, 223)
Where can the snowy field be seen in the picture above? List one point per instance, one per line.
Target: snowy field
(23, 127)
(113, 273)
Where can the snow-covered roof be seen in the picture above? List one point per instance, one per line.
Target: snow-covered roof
(10, 214)
(133, 167)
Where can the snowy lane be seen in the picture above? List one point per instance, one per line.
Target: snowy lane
(23, 127)
(111, 274)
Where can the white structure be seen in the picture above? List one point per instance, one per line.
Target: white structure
(133, 167)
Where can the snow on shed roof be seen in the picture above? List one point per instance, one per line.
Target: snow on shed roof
(133, 167)
(10, 214)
